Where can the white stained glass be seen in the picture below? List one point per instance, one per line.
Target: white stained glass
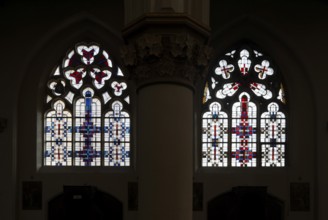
(273, 136)
(224, 69)
(263, 69)
(215, 137)
(106, 97)
(78, 138)
(254, 138)
(67, 61)
(109, 62)
(117, 136)
(244, 63)
(273, 124)
(229, 89)
(127, 99)
(214, 83)
(119, 72)
(273, 156)
(58, 136)
(231, 54)
(260, 90)
(118, 87)
(82, 104)
(69, 97)
(258, 54)
(57, 72)
(49, 98)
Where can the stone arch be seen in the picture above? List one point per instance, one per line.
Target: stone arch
(248, 29)
(48, 53)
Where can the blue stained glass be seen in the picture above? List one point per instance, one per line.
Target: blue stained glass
(87, 84)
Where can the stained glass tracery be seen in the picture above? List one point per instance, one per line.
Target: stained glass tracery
(83, 125)
(250, 92)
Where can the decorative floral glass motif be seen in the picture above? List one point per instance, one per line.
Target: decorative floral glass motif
(87, 103)
(247, 126)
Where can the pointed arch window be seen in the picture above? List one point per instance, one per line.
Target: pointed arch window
(87, 120)
(244, 112)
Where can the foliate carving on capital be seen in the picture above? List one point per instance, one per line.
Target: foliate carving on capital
(170, 56)
(149, 46)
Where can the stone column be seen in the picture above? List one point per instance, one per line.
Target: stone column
(166, 55)
(165, 152)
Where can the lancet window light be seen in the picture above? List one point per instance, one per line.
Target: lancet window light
(244, 112)
(87, 120)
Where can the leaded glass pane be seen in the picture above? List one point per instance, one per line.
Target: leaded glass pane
(273, 136)
(89, 85)
(249, 89)
(87, 130)
(58, 136)
(117, 136)
(215, 137)
(243, 138)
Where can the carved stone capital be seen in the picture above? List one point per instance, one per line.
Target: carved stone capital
(166, 53)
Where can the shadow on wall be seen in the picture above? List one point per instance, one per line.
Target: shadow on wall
(245, 203)
(84, 203)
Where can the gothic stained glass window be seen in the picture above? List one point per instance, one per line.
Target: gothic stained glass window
(87, 120)
(244, 112)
